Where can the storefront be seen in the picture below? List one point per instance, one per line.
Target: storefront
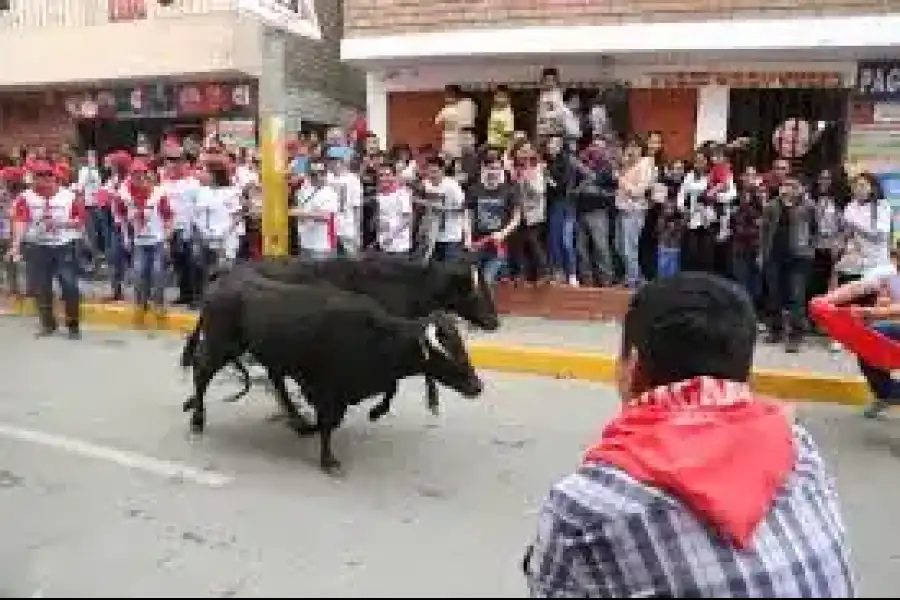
(874, 140)
(117, 117)
(688, 104)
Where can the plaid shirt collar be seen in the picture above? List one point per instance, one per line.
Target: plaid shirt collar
(695, 392)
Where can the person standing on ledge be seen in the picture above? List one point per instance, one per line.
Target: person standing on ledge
(51, 219)
(698, 488)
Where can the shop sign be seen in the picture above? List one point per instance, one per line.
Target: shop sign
(214, 99)
(168, 101)
(878, 80)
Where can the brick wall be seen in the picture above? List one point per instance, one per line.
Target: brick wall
(320, 85)
(30, 119)
(378, 17)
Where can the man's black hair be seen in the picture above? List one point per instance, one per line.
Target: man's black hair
(436, 161)
(690, 325)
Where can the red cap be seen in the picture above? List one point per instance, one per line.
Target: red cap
(12, 174)
(171, 147)
(62, 171)
(41, 167)
(140, 166)
(119, 158)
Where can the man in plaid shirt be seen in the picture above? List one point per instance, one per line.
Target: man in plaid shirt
(699, 488)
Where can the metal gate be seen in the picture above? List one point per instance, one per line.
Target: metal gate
(807, 126)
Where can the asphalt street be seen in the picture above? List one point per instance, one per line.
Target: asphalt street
(104, 493)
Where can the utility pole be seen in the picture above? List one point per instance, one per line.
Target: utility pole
(272, 114)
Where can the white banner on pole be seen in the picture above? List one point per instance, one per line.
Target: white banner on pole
(297, 17)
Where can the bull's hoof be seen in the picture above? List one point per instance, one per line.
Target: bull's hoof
(435, 408)
(332, 468)
(378, 411)
(188, 404)
(198, 424)
(301, 425)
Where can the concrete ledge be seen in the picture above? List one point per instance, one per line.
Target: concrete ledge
(549, 362)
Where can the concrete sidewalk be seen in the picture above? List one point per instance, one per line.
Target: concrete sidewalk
(604, 338)
(583, 351)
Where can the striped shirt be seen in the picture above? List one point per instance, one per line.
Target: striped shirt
(602, 534)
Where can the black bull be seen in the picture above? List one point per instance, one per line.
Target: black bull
(404, 288)
(338, 346)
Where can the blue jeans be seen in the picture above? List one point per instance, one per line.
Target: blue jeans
(97, 229)
(883, 387)
(668, 261)
(561, 237)
(117, 258)
(60, 263)
(628, 241)
(490, 263)
(447, 251)
(745, 267)
(150, 274)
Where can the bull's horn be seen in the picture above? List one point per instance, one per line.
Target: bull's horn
(433, 341)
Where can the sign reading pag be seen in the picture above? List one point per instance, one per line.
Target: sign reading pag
(297, 17)
(878, 80)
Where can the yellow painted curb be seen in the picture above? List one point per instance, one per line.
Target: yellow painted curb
(549, 362)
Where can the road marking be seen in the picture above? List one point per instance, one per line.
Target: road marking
(124, 458)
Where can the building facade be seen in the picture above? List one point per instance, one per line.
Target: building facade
(694, 70)
(97, 72)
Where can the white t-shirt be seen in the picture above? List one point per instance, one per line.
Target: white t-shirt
(245, 175)
(316, 234)
(395, 220)
(89, 183)
(182, 195)
(448, 195)
(349, 193)
(868, 243)
(50, 221)
(214, 212)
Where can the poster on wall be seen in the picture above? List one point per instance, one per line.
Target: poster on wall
(874, 148)
(237, 132)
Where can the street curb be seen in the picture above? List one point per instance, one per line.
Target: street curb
(534, 360)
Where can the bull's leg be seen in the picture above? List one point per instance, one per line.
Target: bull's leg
(296, 420)
(383, 407)
(245, 381)
(205, 368)
(329, 416)
(431, 394)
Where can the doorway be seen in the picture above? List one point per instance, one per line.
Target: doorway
(105, 136)
(670, 111)
(757, 113)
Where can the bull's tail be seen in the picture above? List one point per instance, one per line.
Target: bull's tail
(190, 344)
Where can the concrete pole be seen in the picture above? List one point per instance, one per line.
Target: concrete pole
(272, 115)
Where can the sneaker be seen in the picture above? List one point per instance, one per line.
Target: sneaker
(874, 409)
